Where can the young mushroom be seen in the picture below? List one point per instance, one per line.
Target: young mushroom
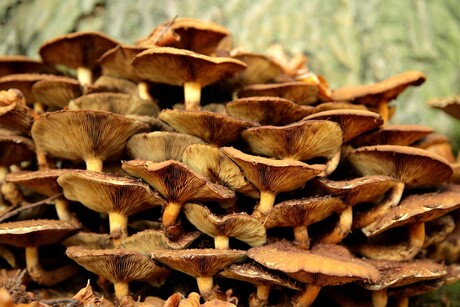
(14, 113)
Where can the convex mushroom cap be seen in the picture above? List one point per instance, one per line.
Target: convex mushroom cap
(402, 135)
(14, 113)
(303, 93)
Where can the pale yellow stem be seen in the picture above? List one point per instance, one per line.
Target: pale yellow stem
(170, 214)
(301, 237)
(331, 165)
(3, 172)
(266, 202)
(8, 256)
(38, 107)
(342, 228)
(94, 164)
(85, 76)
(402, 302)
(306, 297)
(417, 234)
(380, 298)
(143, 90)
(62, 209)
(221, 242)
(384, 111)
(205, 285)
(263, 292)
(118, 227)
(121, 290)
(192, 95)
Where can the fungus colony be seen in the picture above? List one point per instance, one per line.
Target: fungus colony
(181, 171)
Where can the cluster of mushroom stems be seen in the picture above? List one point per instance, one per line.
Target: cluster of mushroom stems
(202, 156)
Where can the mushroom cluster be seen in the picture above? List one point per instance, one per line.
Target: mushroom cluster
(181, 171)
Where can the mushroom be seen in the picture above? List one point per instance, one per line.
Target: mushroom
(303, 93)
(323, 265)
(300, 213)
(117, 196)
(257, 275)
(92, 136)
(20, 64)
(302, 141)
(215, 129)
(261, 68)
(78, 50)
(271, 177)
(14, 113)
(379, 94)
(58, 91)
(267, 110)
(31, 234)
(119, 266)
(178, 184)
(240, 226)
(449, 105)
(160, 146)
(202, 264)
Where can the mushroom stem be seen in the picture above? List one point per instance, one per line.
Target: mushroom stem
(11, 193)
(3, 172)
(342, 229)
(221, 242)
(118, 227)
(94, 164)
(8, 256)
(417, 234)
(384, 110)
(402, 302)
(143, 91)
(170, 214)
(84, 75)
(47, 278)
(266, 202)
(369, 216)
(62, 209)
(331, 165)
(379, 298)
(38, 107)
(42, 161)
(121, 290)
(307, 296)
(263, 292)
(205, 285)
(301, 237)
(192, 95)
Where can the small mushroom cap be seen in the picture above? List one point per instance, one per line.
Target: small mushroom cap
(402, 135)
(324, 264)
(300, 141)
(116, 62)
(24, 83)
(240, 226)
(117, 265)
(198, 262)
(303, 212)
(160, 146)
(352, 122)
(103, 192)
(267, 110)
(43, 181)
(31, 233)
(256, 275)
(57, 91)
(401, 273)
(19, 64)
(337, 105)
(177, 66)
(117, 103)
(413, 166)
(450, 105)
(273, 175)
(261, 68)
(300, 92)
(417, 208)
(213, 128)
(14, 113)
(79, 49)
(385, 90)
(84, 134)
(177, 182)
(89, 240)
(15, 149)
(213, 164)
(149, 240)
(357, 190)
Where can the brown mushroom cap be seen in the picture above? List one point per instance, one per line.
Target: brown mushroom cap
(57, 91)
(352, 122)
(413, 166)
(417, 208)
(387, 89)
(178, 66)
(84, 135)
(261, 68)
(15, 149)
(14, 113)
(89, 240)
(19, 64)
(324, 264)
(213, 128)
(24, 83)
(240, 226)
(402, 135)
(267, 110)
(42, 181)
(118, 103)
(79, 49)
(116, 62)
(160, 146)
(337, 105)
(300, 92)
(31, 233)
(450, 105)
